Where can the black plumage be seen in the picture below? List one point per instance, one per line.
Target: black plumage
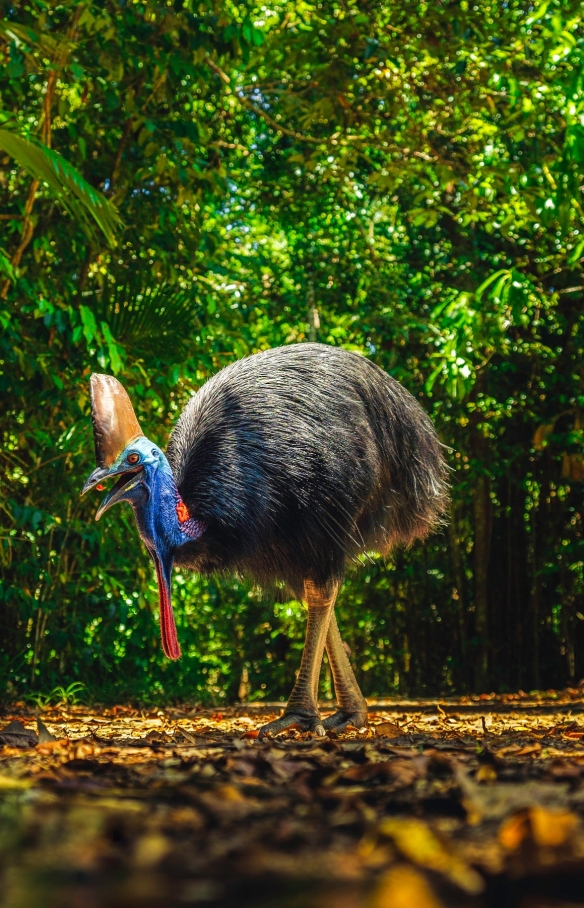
(299, 458)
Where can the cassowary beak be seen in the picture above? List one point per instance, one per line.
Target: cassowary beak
(163, 565)
(103, 473)
(127, 483)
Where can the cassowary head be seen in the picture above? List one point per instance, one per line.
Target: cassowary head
(144, 480)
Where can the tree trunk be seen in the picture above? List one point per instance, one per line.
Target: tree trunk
(482, 551)
(460, 597)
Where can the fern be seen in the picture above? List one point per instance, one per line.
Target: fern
(84, 203)
(158, 321)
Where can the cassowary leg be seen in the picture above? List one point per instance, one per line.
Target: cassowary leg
(302, 707)
(352, 705)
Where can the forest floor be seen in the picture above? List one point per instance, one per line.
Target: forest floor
(469, 803)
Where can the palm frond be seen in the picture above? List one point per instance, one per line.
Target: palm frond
(21, 34)
(84, 203)
(159, 321)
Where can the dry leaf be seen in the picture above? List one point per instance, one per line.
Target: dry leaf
(514, 831)
(486, 773)
(10, 782)
(390, 729)
(304, 808)
(528, 750)
(404, 887)
(552, 828)
(151, 849)
(546, 828)
(16, 735)
(416, 841)
(44, 735)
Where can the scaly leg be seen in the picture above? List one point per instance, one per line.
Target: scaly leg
(302, 707)
(352, 706)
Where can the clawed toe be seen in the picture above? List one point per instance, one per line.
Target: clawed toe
(340, 720)
(291, 720)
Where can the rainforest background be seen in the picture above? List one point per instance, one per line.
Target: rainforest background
(402, 179)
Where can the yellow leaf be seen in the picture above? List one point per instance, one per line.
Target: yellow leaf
(546, 828)
(150, 849)
(416, 841)
(486, 773)
(7, 782)
(514, 831)
(404, 887)
(552, 828)
(230, 794)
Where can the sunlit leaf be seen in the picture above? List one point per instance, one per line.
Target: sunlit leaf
(83, 202)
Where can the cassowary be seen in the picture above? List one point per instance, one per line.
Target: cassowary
(282, 467)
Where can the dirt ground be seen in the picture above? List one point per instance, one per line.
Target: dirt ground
(473, 803)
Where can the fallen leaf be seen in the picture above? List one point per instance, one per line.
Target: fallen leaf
(416, 841)
(16, 735)
(8, 782)
(151, 849)
(564, 769)
(157, 737)
(404, 887)
(227, 801)
(365, 771)
(546, 828)
(552, 828)
(528, 750)
(45, 737)
(514, 831)
(486, 773)
(388, 728)
(498, 800)
(208, 798)
(85, 750)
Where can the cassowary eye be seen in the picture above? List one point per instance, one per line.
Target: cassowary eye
(133, 458)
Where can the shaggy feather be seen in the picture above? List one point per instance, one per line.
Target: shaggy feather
(299, 458)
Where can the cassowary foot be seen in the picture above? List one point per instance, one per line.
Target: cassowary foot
(292, 720)
(340, 720)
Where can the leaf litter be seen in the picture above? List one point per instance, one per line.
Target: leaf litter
(475, 803)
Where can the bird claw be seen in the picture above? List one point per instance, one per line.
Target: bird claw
(340, 720)
(291, 720)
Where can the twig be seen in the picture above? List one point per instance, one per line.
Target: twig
(570, 289)
(223, 144)
(245, 102)
(25, 237)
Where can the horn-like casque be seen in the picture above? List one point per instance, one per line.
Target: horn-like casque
(114, 422)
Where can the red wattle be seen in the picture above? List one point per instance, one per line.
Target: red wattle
(167, 625)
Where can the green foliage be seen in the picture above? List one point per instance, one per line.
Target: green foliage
(59, 696)
(412, 172)
(78, 197)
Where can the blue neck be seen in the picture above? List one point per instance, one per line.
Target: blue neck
(155, 511)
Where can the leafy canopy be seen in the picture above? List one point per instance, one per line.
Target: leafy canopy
(402, 179)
